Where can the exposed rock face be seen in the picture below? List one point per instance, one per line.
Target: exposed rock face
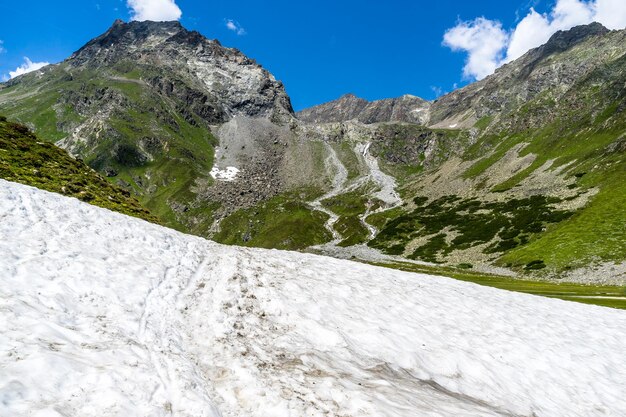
(566, 39)
(407, 108)
(346, 107)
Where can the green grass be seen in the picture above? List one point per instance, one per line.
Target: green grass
(283, 222)
(25, 160)
(345, 153)
(348, 204)
(597, 233)
(352, 231)
(483, 122)
(499, 144)
(588, 294)
(379, 220)
(38, 111)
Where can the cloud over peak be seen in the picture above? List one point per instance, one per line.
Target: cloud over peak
(156, 10)
(483, 39)
(26, 67)
(488, 45)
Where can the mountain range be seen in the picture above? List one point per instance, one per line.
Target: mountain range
(523, 172)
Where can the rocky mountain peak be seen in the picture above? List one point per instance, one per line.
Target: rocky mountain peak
(123, 35)
(351, 100)
(167, 56)
(565, 39)
(137, 30)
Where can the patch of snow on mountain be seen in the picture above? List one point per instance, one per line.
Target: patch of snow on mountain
(227, 174)
(106, 315)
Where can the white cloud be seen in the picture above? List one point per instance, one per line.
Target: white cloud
(535, 29)
(156, 10)
(489, 46)
(611, 13)
(26, 67)
(235, 27)
(437, 91)
(483, 39)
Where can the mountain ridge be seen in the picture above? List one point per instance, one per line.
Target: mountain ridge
(406, 108)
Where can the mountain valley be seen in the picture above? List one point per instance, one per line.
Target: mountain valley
(178, 240)
(522, 173)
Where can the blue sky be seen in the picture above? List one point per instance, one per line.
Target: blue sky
(320, 50)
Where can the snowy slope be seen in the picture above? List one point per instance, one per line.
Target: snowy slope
(106, 315)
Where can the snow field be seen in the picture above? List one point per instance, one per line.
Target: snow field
(103, 314)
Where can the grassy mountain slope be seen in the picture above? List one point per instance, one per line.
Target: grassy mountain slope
(135, 136)
(564, 147)
(24, 159)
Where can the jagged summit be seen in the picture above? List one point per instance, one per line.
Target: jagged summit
(131, 33)
(149, 36)
(565, 39)
(559, 42)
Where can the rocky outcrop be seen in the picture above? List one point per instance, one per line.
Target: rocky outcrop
(407, 108)
(346, 107)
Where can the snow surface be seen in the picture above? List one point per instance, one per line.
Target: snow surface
(106, 315)
(228, 174)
